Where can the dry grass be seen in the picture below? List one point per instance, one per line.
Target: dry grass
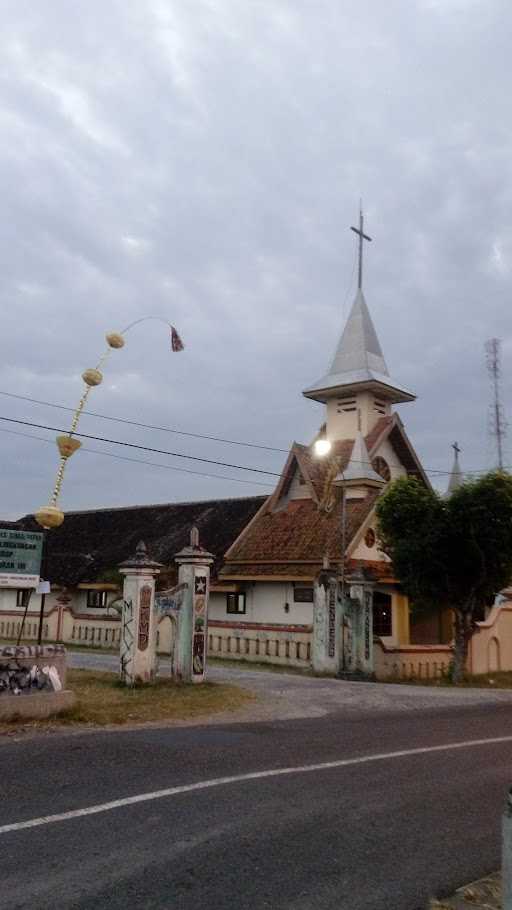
(484, 894)
(496, 680)
(102, 701)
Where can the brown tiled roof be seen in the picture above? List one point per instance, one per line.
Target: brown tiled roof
(292, 540)
(90, 544)
(296, 571)
(302, 533)
(262, 570)
(376, 431)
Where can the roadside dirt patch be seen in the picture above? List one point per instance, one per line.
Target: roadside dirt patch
(102, 701)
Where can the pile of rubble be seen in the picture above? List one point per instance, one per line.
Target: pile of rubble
(27, 669)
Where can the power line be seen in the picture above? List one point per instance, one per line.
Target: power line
(133, 445)
(146, 426)
(154, 464)
(223, 464)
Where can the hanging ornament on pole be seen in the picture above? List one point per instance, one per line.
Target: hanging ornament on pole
(176, 342)
(51, 516)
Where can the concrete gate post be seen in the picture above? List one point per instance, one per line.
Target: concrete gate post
(194, 572)
(361, 595)
(326, 624)
(138, 618)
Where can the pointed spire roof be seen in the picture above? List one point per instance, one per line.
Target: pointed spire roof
(358, 362)
(359, 469)
(359, 347)
(456, 477)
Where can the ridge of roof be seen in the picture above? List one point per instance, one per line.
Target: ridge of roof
(153, 505)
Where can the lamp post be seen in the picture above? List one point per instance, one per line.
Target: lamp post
(51, 516)
(322, 448)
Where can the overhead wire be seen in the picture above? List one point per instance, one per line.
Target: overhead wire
(154, 464)
(224, 464)
(133, 445)
(146, 426)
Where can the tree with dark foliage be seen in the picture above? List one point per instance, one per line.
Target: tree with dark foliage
(454, 552)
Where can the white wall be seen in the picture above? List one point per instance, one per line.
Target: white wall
(387, 452)
(343, 424)
(265, 604)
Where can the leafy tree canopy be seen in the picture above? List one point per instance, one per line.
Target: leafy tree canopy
(453, 552)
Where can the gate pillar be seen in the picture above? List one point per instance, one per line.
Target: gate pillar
(326, 650)
(358, 628)
(138, 618)
(192, 636)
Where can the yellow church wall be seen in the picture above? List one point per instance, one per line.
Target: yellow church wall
(402, 613)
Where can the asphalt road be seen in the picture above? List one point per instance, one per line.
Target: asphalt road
(383, 834)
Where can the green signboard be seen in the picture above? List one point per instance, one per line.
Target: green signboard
(20, 558)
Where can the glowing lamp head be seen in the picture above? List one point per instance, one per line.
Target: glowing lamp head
(322, 447)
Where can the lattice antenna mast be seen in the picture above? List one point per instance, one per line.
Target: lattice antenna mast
(497, 423)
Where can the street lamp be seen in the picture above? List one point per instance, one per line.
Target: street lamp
(322, 447)
(51, 516)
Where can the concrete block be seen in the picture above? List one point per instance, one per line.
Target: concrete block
(36, 706)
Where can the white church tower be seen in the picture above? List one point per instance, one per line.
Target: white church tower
(357, 389)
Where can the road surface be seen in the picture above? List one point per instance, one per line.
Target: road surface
(346, 808)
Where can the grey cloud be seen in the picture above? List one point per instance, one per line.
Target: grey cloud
(203, 161)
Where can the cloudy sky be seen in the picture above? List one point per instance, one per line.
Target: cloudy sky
(202, 160)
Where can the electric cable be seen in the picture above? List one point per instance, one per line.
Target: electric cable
(154, 464)
(133, 445)
(145, 426)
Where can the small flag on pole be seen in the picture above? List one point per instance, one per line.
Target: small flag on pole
(176, 342)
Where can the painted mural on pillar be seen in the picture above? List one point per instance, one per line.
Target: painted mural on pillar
(199, 620)
(126, 653)
(331, 628)
(171, 599)
(144, 616)
(347, 661)
(367, 624)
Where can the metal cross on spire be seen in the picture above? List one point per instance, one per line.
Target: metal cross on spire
(456, 449)
(362, 236)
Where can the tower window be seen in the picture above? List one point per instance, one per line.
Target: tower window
(379, 406)
(346, 404)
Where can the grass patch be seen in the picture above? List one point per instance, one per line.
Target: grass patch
(102, 701)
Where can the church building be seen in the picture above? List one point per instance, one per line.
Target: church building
(270, 550)
(322, 511)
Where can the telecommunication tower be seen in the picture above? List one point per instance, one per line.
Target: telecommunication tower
(497, 422)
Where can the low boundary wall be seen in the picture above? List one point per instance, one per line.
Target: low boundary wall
(260, 643)
(411, 661)
(490, 648)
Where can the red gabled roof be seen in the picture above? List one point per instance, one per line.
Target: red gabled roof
(284, 542)
(289, 538)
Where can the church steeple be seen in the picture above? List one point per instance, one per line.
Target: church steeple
(358, 381)
(456, 477)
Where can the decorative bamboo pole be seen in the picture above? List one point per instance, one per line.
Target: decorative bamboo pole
(51, 515)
